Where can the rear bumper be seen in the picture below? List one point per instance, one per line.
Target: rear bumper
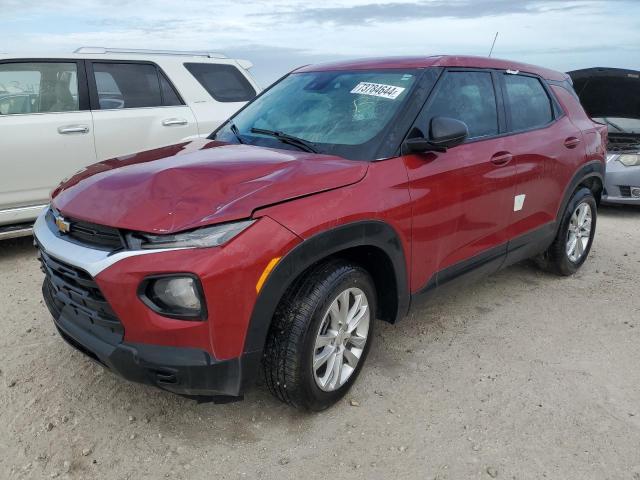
(184, 371)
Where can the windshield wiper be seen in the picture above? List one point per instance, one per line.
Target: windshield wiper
(290, 139)
(234, 130)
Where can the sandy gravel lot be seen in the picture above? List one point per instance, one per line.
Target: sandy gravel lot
(521, 376)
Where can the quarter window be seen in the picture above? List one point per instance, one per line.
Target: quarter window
(45, 87)
(132, 85)
(225, 83)
(529, 104)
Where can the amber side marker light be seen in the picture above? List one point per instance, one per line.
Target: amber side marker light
(270, 266)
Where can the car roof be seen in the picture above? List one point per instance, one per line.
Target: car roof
(157, 58)
(435, 61)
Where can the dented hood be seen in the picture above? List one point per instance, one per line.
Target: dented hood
(608, 92)
(197, 183)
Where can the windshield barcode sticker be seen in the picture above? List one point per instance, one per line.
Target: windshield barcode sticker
(378, 90)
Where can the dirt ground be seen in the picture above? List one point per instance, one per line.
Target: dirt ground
(521, 376)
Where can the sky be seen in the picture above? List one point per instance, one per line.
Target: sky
(280, 35)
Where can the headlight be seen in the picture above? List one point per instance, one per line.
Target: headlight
(176, 296)
(630, 160)
(200, 238)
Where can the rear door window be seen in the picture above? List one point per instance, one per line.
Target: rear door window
(225, 83)
(38, 87)
(132, 85)
(528, 102)
(469, 97)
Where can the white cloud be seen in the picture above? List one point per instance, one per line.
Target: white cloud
(280, 35)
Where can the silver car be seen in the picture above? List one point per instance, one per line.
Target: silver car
(612, 96)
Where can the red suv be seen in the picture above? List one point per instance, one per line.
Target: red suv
(344, 193)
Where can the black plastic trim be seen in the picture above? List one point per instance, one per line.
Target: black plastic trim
(530, 244)
(184, 371)
(370, 233)
(498, 87)
(490, 261)
(593, 169)
(484, 263)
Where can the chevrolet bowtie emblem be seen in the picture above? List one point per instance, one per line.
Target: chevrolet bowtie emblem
(62, 224)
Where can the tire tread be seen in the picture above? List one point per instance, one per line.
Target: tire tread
(555, 259)
(290, 322)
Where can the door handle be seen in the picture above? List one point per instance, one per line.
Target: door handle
(572, 142)
(501, 158)
(170, 122)
(71, 129)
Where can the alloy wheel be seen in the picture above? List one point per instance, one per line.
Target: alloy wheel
(579, 232)
(341, 339)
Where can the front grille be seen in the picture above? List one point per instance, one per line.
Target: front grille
(619, 143)
(96, 235)
(69, 286)
(625, 190)
(93, 235)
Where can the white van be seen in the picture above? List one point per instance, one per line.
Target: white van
(61, 113)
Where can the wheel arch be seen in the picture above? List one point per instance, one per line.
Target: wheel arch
(595, 184)
(591, 176)
(372, 244)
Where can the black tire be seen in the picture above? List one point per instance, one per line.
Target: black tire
(290, 345)
(556, 259)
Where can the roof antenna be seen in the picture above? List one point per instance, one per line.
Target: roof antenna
(494, 43)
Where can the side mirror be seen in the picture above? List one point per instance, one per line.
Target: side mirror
(447, 132)
(444, 133)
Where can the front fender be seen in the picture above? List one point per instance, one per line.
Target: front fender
(373, 233)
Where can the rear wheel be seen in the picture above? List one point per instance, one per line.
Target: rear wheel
(320, 336)
(575, 235)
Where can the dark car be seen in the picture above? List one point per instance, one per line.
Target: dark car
(344, 193)
(612, 96)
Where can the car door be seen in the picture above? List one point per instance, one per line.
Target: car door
(546, 147)
(135, 108)
(462, 198)
(46, 132)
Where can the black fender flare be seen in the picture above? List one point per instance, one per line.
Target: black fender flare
(372, 233)
(594, 169)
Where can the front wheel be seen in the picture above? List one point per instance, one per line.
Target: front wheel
(320, 336)
(575, 235)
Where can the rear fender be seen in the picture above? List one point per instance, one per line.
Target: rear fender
(594, 170)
